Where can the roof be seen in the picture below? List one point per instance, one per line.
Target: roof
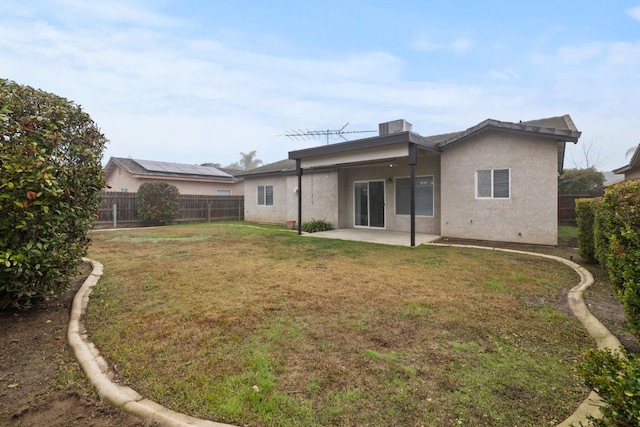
(560, 128)
(635, 161)
(375, 141)
(283, 167)
(150, 168)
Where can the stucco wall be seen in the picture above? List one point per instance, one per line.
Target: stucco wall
(528, 216)
(319, 198)
(633, 173)
(121, 180)
(428, 165)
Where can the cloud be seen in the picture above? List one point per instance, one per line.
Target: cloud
(115, 12)
(458, 45)
(580, 54)
(634, 13)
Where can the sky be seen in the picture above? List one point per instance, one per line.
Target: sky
(195, 81)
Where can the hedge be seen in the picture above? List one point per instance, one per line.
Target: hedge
(617, 244)
(585, 218)
(50, 179)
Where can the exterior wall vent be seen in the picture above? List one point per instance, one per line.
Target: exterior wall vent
(395, 126)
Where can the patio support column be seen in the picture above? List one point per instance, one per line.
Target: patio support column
(299, 173)
(413, 160)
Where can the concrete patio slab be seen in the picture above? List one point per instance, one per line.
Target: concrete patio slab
(375, 236)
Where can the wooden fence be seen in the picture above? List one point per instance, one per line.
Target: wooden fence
(567, 204)
(119, 209)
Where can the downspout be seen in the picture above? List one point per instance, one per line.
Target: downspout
(413, 160)
(299, 173)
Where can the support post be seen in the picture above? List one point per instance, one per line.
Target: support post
(413, 160)
(299, 172)
(115, 216)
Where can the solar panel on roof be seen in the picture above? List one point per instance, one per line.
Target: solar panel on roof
(181, 169)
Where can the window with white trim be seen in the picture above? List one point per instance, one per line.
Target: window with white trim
(493, 184)
(265, 195)
(423, 196)
(223, 192)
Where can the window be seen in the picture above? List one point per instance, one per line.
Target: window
(493, 184)
(223, 192)
(423, 196)
(265, 195)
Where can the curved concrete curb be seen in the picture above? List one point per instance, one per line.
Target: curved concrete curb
(603, 337)
(97, 369)
(129, 401)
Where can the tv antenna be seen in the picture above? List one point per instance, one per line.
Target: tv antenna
(304, 135)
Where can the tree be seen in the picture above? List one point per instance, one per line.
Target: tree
(591, 157)
(50, 179)
(158, 203)
(580, 180)
(247, 161)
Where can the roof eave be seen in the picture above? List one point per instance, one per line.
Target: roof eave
(621, 170)
(376, 141)
(519, 128)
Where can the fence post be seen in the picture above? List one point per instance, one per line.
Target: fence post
(208, 210)
(115, 216)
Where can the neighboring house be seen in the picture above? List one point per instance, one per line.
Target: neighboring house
(126, 175)
(611, 178)
(632, 170)
(494, 181)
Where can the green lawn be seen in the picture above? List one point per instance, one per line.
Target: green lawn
(568, 236)
(262, 327)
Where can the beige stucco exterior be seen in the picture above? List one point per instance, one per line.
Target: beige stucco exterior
(428, 165)
(632, 174)
(319, 198)
(529, 215)
(334, 175)
(119, 179)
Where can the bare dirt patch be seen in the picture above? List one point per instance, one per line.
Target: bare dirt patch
(40, 381)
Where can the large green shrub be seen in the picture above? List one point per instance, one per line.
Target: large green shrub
(585, 216)
(615, 376)
(50, 178)
(158, 203)
(617, 238)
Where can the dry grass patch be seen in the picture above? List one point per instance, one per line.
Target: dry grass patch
(262, 327)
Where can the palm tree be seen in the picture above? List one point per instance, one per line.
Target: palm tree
(631, 150)
(248, 160)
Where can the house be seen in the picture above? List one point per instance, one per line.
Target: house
(494, 181)
(632, 170)
(126, 175)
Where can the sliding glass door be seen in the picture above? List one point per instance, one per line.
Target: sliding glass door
(369, 204)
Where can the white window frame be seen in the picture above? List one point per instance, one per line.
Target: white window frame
(493, 184)
(433, 191)
(226, 193)
(265, 199)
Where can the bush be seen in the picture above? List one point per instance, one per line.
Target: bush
(158, 203)
(615, 376)
(50, 158)
(618, 245)
(316, 225)
(585, 216)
